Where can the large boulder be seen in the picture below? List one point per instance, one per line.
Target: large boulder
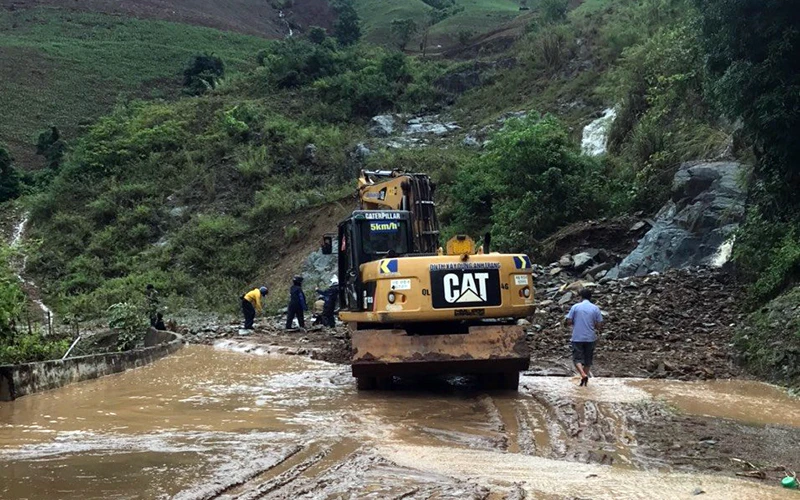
(318, 268)
(706, 207)
(381, 126)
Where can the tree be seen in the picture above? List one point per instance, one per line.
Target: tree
(202, 74)
(50, 145)
(531, 181)
(752, 61)
(347, 28)
(554, 11)
(9, 178)
(403, 30)
(464, 37)
(317, 35)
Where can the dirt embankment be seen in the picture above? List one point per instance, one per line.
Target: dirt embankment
(253, 17)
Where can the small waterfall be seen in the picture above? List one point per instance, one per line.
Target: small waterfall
(595, 135)
(724, 253)
(288, 26)
(16, 241)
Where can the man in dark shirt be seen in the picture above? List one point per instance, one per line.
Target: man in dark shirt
(297, 303)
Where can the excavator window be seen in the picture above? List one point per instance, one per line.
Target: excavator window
(384, 238)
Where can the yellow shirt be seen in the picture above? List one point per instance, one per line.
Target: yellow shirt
(254, 297)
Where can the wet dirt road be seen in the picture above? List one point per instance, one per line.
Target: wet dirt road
(215, 423)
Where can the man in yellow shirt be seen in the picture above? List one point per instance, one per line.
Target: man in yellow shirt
(251, 302)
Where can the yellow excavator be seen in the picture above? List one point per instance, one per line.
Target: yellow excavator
(414, 308)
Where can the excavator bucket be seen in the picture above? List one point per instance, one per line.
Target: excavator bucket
(486, 350)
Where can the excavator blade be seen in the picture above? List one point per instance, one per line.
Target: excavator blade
(495, 349)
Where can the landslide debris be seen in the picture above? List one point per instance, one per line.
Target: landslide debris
(678, 324)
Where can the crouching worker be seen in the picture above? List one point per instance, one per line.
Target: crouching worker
(251, 302)
(297, 304)
(329, 296)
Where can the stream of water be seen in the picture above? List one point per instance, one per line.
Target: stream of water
(16, 241)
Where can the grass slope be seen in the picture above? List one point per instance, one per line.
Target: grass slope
(478, 17)
(66, 68)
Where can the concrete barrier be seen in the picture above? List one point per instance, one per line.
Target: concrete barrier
(20, 380)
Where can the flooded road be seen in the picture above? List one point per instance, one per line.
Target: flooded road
(214, 423)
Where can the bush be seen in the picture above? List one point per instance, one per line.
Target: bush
(202, 74)
(769, 340)
(554, 11)
(531, 181)
(128, 321)
(29, 348)
(9, 179)
(347, 28)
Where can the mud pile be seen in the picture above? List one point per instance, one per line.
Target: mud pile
(316, 342)
(678, 324)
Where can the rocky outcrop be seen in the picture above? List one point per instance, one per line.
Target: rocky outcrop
(473, 75)
(318, 268)
(381, 126)
(706, 206)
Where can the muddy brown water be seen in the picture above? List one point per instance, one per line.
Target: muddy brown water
(211, 422)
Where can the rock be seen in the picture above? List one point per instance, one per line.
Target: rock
(177, 212)
(310, 153)
(362, 152)
(471, 141)
(706, 207)
(458, 83)
(555, 271)
(565, 260)
(595, 270)
(565, 299)
(523, 322)
(639, 225)
(381, 126)
(423, 125)
(582, 260)
(521, 115)
(545, 303)
(697, 491)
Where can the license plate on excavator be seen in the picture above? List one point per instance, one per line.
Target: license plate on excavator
(499, 349)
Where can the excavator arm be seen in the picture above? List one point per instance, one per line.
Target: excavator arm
(395, 190)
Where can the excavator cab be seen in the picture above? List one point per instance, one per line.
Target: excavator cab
(367, 236)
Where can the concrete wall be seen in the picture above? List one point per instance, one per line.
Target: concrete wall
(19, 380)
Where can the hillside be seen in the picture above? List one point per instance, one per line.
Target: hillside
(468, 18)
(204, 196)
(252, 17)
(64, 68)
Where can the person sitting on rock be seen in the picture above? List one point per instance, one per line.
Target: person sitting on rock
(251, 302)
(585, 319)
(160, 322)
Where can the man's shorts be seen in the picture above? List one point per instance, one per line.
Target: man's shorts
(583, 353)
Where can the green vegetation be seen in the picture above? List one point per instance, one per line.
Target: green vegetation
(127, 320)
(531, 181)
(65, 68)
(197, 195)
(769, 340)
(445, 19)
(17, 346)
(9, 178)
(203, 74)
(755, 76)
